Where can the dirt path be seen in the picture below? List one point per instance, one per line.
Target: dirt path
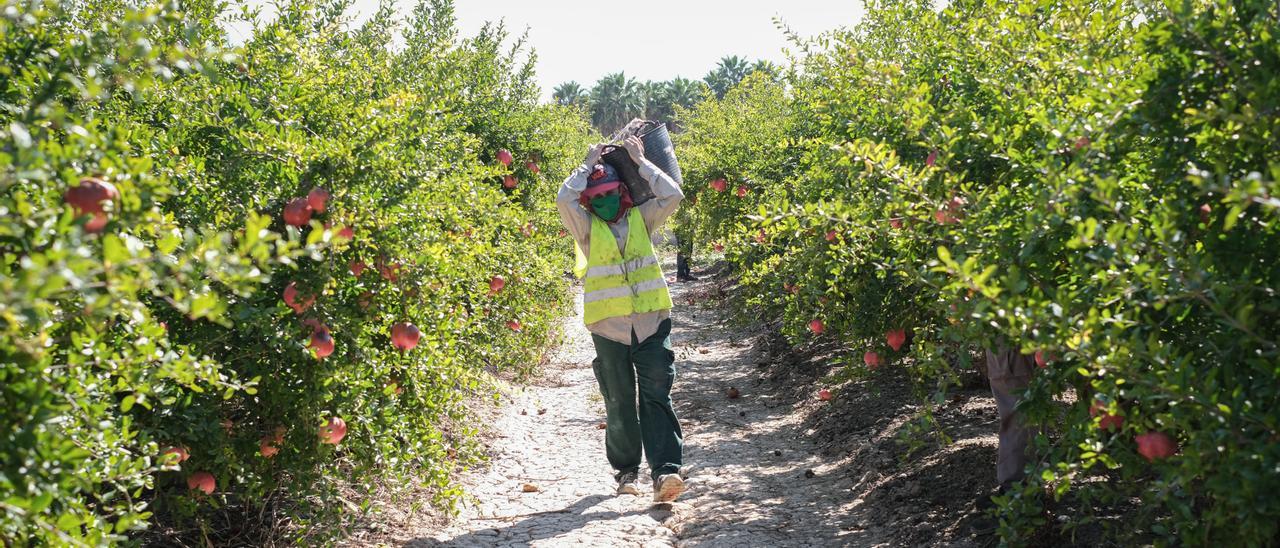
(761, 469)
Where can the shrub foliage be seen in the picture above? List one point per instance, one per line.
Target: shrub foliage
(1095, 182)
(167, 326)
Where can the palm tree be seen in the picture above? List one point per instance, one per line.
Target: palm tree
(684, 92)
(570, 93)
(655, 101)
(615, 100)
(731, 70)
(681, 93)
(767, 67)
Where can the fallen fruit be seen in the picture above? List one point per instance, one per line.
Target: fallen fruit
(733, 393)
(896, 338)
(824, 395)
(333, 431)
(202, 481)
(404, 335)
(317, 199)
(297, 212)
(1156, 445)
(529, 488)
(89, 197)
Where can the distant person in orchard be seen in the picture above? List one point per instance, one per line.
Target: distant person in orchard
(627, 309)
(1009, 371)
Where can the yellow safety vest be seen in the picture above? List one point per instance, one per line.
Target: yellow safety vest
(620, 284)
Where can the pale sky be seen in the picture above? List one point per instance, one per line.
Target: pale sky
(583, 40)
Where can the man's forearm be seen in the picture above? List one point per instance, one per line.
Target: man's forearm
(667, 196)
(575, 219)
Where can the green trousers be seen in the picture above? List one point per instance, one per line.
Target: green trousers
(647, 422)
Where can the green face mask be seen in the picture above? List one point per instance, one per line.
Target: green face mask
(606, 207)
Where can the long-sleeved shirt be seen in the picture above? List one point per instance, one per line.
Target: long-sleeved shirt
(656, 211)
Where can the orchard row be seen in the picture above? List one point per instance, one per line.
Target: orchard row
(258, 284)
(1093, 184)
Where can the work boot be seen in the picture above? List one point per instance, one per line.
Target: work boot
(683, 273)
(627, 484)
(667, 487)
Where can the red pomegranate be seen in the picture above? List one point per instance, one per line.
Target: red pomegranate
(896, 338)
(333, 431)
(297, 212)
(317, 199)
(179, 453)
(90, 197)
(405, 335)
(1108, 421)
(322, 342)
(1156, 446)
(871, 359)
(296, 301)
(202, 481)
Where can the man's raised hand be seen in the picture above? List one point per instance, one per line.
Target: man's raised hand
(593, 155)
(635, 147)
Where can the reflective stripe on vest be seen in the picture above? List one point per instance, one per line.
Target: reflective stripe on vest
(621, 284)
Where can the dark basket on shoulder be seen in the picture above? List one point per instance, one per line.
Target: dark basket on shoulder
(658, 149)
